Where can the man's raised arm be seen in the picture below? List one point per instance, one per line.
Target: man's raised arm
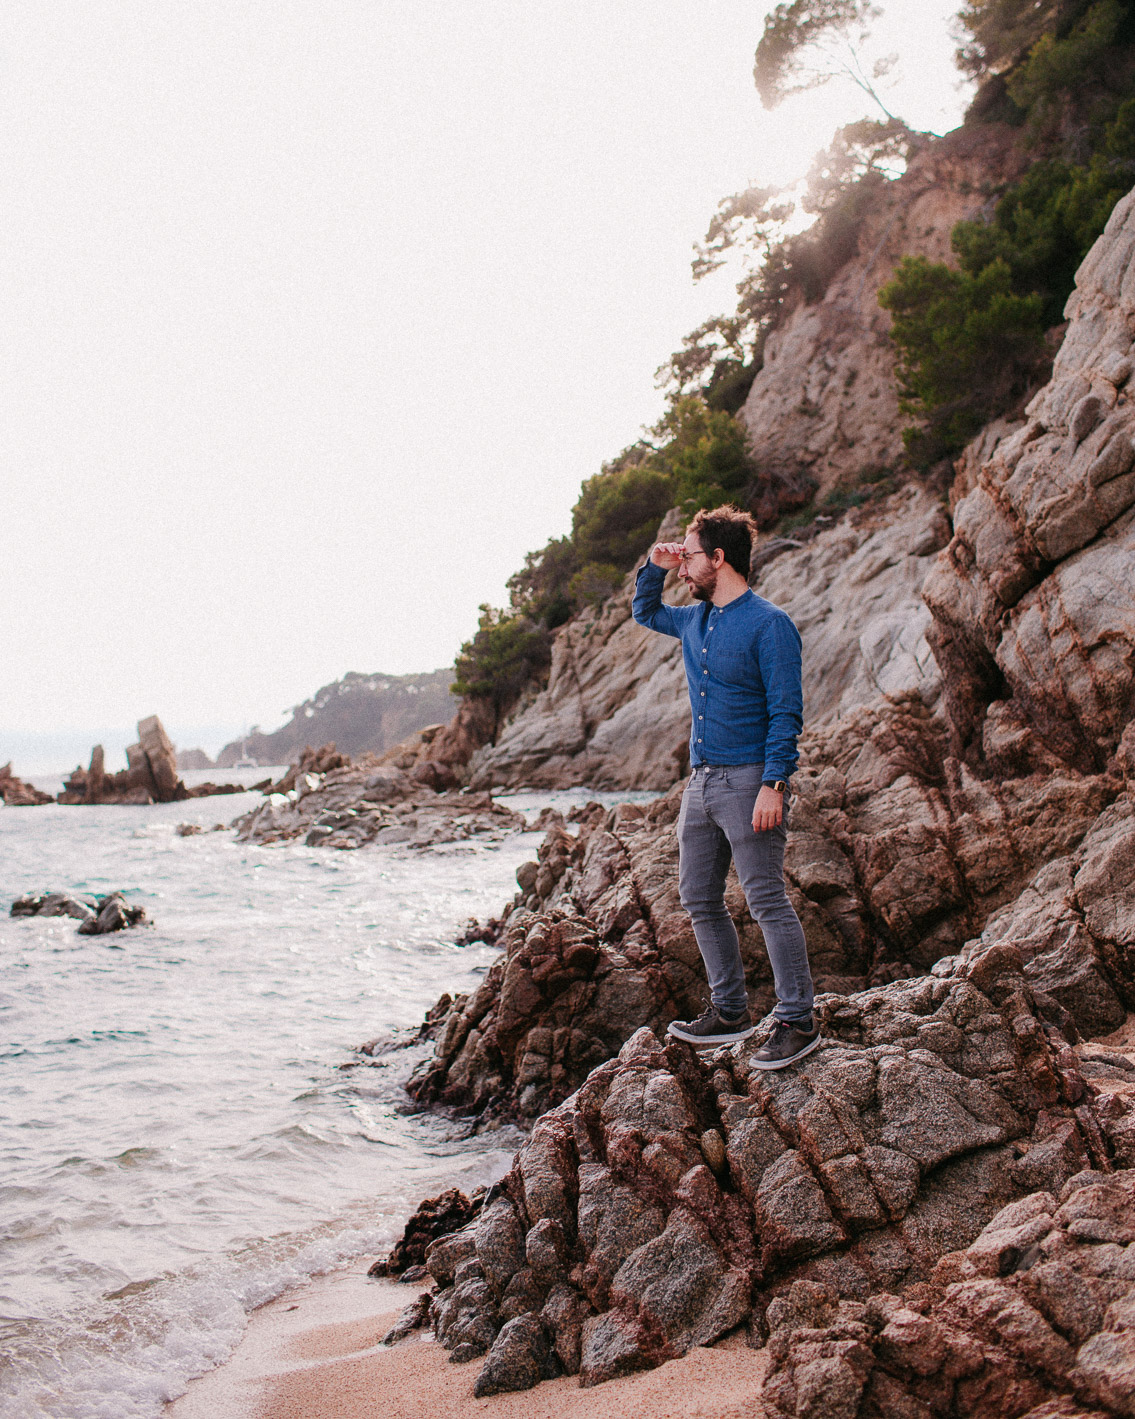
(648, 608)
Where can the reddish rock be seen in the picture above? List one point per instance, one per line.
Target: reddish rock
(436, 1217)
(673, 1198)
(150, 775)
(15, 793)
(1030, 1320)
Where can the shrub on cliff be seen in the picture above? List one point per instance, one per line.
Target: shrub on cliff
(500, 659)
(970, 341)
(619, 509)
(967, 347)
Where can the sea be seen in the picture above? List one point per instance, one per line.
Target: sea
(187, 1124)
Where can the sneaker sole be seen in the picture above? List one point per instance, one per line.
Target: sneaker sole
(792, 1058)
(709, 1041)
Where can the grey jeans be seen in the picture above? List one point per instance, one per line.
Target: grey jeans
(716, 824)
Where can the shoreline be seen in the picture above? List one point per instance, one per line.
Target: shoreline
(315, 1352)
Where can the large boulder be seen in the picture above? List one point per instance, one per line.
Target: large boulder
(672, 1198)
(1033, 1318)
(1033, 599)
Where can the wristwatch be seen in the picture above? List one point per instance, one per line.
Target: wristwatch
(779, 784)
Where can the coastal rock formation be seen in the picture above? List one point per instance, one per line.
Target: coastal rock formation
(672, 1199)
(189, 759)
(149, 777)
(897, 857)
(97, 916)
(824, 407)
(332, 802)
(962, 854)
(1034, 1318)
(435, 1217)
(1034, 624)
(615, 713)
(15, 793)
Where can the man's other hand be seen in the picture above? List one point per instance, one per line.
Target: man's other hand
(665, 555)
(768, 809)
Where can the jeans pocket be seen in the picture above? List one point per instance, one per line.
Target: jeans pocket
(744, 776)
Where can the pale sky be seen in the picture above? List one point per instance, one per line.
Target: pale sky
(317, 312)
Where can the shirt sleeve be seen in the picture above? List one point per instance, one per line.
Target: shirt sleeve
(648, 608)
(778, 650)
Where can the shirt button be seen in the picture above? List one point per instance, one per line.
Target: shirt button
(705, 672)
(703, 694)
(701, 716)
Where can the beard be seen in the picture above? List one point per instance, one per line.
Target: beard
(703, 590)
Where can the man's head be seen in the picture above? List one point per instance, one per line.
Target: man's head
(716, 539)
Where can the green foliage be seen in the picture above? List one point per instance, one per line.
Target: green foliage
(539, 589)
(998, 33)
(706, 453)
(1044, 226)
(619, 511)
(967, 346)
(594, 583)
(613, 522)
(1068, 61)
(970, 341)
(501, 658)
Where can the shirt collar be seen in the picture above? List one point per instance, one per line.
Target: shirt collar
(746, 595)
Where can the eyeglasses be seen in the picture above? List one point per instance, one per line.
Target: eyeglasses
(685, 556)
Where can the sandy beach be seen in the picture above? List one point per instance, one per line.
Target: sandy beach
(316, 1353)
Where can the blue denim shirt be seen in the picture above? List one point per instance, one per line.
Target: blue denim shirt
(743, 669)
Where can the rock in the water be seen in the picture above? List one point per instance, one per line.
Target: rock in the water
(96, 915)
(15, 793)
(334, 803)
(150, 776)
(114, 913)
(56, 904)
(435, 1217)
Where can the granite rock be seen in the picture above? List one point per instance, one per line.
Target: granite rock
(932, 1105)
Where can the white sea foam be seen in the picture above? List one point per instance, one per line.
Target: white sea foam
(186, 1127)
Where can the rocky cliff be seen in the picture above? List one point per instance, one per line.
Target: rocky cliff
(822, 412)
(929, 1215)
(823, 408)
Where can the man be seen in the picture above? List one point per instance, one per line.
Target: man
(742, 659)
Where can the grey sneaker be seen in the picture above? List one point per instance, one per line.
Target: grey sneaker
(786, 1044)
(710, 1028)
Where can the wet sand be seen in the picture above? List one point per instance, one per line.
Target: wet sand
(316, 1353)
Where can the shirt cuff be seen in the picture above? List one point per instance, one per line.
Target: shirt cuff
(649, 566)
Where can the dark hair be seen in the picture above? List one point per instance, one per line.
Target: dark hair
(730, 529)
